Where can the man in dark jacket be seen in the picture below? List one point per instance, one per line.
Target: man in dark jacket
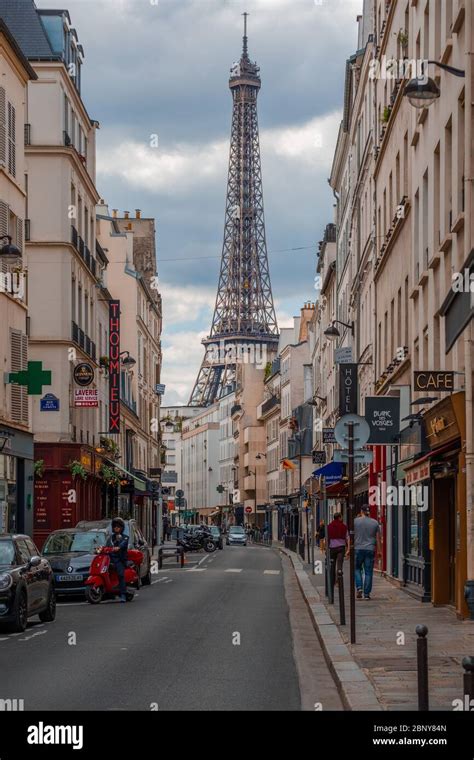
(118, 559)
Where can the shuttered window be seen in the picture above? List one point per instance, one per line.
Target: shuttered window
(19, 233)
(11, 140)
(19, 361)
(4, 214)
(3, 127)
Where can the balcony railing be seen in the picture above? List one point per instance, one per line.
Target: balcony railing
(83, 341)
(27, 134)
(83, 251)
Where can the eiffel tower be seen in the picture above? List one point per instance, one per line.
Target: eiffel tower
(244, 316)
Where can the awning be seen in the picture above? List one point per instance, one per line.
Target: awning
(433, 453)
(331, 472)
(138, 483)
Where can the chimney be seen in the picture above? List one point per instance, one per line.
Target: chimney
(126, 214)
(129, 226)
(114, 213)
(138, 213)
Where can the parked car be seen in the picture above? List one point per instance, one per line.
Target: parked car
(70, 553)
(217, 536)
(136, 540)
(236, 536)
(26, 583)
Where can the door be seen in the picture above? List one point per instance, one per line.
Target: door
(452, 539)
(43, 574)
(30, 575)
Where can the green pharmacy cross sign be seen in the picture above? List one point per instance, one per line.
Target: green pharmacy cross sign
(34, 378)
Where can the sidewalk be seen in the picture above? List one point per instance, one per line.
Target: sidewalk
(377, 673)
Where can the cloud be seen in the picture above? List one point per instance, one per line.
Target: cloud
(179, 169)
(186, 303)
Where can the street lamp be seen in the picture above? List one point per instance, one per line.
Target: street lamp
(8, 250)
(423, 91)
(333, 333)
(255, 500)
(127, 361)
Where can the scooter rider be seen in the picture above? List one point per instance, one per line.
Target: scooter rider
(119, 543)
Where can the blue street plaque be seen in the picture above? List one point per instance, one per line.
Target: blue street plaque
(49, 403)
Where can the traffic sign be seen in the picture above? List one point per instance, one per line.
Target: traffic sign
(361, 430)
(249, 510)
(362, 457)
(179, 494)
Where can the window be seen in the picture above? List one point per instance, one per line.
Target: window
(19, 362)
(3, 127)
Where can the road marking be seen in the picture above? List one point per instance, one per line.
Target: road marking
(160, 580)
(271, 572)
(38, 633)
(233, 570)
(196, 570)
(170, 581)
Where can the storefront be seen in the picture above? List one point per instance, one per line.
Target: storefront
(62, 497)
(416, 555)
(445, 427)
(16, 481)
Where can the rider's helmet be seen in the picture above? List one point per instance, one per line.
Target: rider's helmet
(117, 522)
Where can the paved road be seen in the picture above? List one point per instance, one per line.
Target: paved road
(214, 636)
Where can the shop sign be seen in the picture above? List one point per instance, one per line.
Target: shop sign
(383, 416)
(67, 506)
(319, 457)
(87, 398)
(328, 435)
(42, 519)
(440, 423)
(348, 389)
(86, 461)
(434, 380)
(83, 374)
(114, 367)
(417, 473)
(169, 477)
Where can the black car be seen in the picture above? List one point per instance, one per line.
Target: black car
(136, 540)
(70, 553)
(26, 583)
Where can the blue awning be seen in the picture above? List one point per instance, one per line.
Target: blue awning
(331, 472)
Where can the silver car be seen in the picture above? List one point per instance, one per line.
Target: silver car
(236, 536)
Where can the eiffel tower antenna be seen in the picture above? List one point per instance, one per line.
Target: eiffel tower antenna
(244, 316)
(245, 49)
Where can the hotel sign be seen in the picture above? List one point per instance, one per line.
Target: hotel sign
(348, 389)
(434, 380)
(114, 367)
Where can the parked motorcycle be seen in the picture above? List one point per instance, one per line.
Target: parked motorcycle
(103, 580)
(195, 542)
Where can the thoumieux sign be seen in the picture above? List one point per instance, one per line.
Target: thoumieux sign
(114, 366)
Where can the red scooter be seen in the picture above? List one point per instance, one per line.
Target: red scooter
(102, 582)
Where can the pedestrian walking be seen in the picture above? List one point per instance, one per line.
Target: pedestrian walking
(338, 537)
(321, 536)
(367, 544)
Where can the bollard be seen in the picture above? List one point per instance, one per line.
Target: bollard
(468, 665)
(182, 557)
(340, 586)
(160, 559)
(422, 667)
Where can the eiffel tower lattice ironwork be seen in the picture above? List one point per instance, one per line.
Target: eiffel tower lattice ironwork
(244, 316)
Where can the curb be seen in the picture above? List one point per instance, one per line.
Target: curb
(355, 688)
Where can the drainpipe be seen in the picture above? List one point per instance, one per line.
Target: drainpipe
(468, 332)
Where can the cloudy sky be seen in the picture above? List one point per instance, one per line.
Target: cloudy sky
(161, 67)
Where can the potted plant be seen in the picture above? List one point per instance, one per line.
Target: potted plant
(78, 470)
(402, 38)
(39, 468)
(111, 448)
(386, 114)
(110, 475)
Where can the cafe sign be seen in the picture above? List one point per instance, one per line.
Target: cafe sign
(434, 380)
(417, 473)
